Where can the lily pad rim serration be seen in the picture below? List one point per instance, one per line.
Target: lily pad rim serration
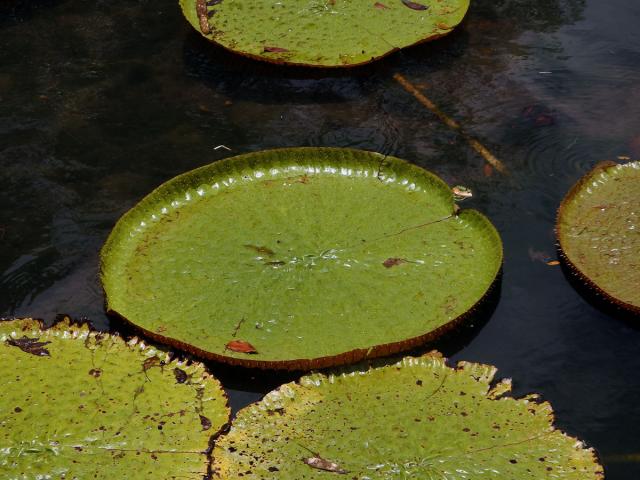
(68, 329)
(497, 390)
(295, 364)
(600, 167)
(184, 4)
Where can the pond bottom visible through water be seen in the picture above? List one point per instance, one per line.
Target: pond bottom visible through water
(100, 102)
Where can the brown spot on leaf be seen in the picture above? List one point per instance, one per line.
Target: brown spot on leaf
(414, 5)
(380, 6)
(260, 249)
(30, 345)
(443, 26)
(150, 362)
(275, 49)
(205, 422)
(241, 346)
(181, 375)
(95, 372)
(393, 261)
(322, 464)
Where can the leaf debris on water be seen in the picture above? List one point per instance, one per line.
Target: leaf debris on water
(322, 464)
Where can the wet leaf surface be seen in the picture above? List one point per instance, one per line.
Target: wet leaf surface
(416, 419)
(598, 231)
(324, 33)
(239, 271)
(88, 410)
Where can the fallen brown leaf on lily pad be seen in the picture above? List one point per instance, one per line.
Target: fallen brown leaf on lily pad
(322, 464)
(392, 262)
(414, 5)
(275, 49)
(241, 346)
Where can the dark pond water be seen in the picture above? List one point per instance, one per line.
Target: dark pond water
(102, 101)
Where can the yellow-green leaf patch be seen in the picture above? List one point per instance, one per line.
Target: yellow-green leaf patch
(598, 231)
(416, 419)
(323, 33)
(81, 404)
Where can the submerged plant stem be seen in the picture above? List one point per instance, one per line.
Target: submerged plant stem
(451, 123)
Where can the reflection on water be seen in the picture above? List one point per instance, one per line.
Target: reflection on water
(101, 102)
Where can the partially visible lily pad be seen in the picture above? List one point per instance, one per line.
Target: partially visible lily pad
(416, 419)
(324, 33)
(299, 258)
(598, 231)
(81, 404)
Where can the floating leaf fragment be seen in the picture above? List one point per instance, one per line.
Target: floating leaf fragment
(322, 464)
(461, 193)
(553, 263)
(414, 5)
(241, 346)
(30, 345)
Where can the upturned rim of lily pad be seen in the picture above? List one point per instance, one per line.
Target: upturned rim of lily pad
(282, 61)
(599, 168)
(298, 364)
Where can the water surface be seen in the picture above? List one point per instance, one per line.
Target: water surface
(100, 102)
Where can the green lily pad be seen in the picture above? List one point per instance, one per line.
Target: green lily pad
(598, 231)
(416, 419)
(299, 258)
(323, 33)
(82, 404)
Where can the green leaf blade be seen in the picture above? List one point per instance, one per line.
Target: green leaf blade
(416, 419)
(98, 407)
(324, 33)
(289, 251)
(598, 231)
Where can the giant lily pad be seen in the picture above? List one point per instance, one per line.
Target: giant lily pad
(81, 404)
(599, 231)
(325, 33)
(299, 258)
(416, 419)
